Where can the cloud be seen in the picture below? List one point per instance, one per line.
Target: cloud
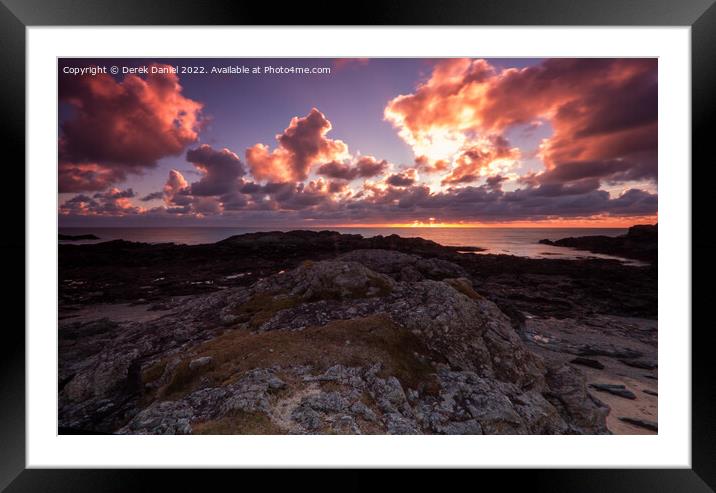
(113, 202)
(598, 161)
(152, 196)
(483, 158)
(364, 167)
(220, 170)
(495, 182)
(178, 198)
(176, 189)
(301, 145)
(488, 203)
(116, 128)
(87, 177)
(287, 196)
(219, 189)
(601, 110)
(423, 163)
(368, 166)
(402, 179)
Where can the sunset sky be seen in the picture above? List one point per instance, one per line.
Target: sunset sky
(452, 142)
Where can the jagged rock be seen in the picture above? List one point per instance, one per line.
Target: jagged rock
(327, 279)
(615, 389)
(459, 367)
(591, 363)
(404, 267)
(199, 362)
(568, 393)
(607, 350)
(250, 394)
(165, 418)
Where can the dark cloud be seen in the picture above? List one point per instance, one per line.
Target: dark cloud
(495, 182)
(115, 193)
(152, 196)
(340, 171)
(364, 167)
(368, 167)
(219, 169)
(402, 179)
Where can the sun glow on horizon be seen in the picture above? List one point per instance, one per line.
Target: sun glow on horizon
(596, 222)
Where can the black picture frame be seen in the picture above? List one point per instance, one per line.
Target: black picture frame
(16, 15)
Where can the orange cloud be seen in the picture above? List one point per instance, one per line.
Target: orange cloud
(482, 159)
(600, 109)
(301, 145)
(422, 163)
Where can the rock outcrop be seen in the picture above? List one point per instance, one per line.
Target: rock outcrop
(372, 341)
(129, 272)
(640, 242)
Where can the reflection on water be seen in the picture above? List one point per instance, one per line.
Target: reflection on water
(509, 241)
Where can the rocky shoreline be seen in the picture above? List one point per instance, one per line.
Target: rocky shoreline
(321, 332)
(640, 243)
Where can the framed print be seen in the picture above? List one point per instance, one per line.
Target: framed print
(427, 238)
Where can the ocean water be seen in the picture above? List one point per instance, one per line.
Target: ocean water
(510, 241)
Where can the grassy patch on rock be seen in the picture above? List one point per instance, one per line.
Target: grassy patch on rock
(355, 342)
(262, 307)
(154, 372)
(464, 286)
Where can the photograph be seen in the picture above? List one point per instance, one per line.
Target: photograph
(357, 246)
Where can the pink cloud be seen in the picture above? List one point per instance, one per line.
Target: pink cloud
(176, 186)
(123, 127)
(113, 202)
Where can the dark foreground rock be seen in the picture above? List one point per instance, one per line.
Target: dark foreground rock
(128, 272)
(592, 363)
(372, 341)
(318, 332)
(640, 242)
(615, 389)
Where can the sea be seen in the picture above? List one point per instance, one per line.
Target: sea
(523, 242)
